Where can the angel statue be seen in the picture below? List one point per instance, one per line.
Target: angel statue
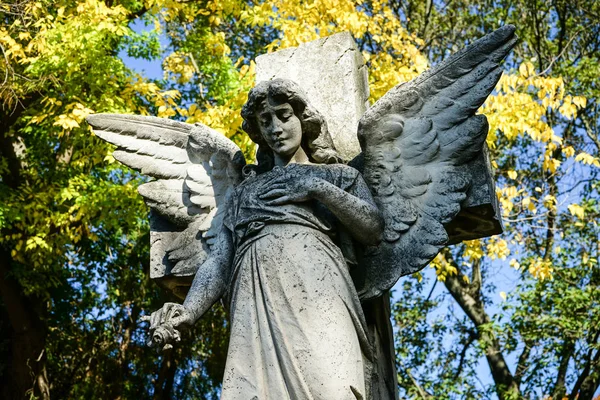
(302, 247)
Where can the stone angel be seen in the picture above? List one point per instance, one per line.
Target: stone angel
(301, 246)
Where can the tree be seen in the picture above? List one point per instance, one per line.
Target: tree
(73, 231)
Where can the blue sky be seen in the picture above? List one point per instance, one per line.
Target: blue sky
(149, 69)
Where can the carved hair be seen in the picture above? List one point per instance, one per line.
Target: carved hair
(316, 140)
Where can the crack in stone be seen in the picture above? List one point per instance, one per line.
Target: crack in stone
(343, 54)
(289, 59)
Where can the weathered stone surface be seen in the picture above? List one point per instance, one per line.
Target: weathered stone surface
(193, 167)
(480, 215)
(333, 74)
(162, 234)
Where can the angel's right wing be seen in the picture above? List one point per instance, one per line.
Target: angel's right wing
(194, 168)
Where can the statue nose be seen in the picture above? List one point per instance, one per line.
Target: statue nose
(276, 128)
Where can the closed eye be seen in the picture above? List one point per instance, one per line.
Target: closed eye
(285, 115)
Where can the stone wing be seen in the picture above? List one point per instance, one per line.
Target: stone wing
(194, 167)
(417, 142)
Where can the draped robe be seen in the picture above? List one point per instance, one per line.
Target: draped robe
(297, 326)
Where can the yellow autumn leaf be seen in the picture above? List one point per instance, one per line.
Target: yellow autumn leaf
(541, 269)
(568, 151)
(579, 101)
(550, 164)
(576, 210)
(66, 122)
(473, 250)
(515, 264)
(557, 250)
(497, 249)
(526, 69)
(527, 204)
(587, 159)
(568, 109)
(549, 202)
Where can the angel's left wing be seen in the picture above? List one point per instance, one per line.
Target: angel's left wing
(417, 143)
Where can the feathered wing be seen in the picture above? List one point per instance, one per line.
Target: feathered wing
(194, 167)
(417, 141)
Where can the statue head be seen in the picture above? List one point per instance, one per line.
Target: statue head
(284, 96)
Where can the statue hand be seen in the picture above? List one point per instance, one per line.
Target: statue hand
(290, 189)
(166, 323)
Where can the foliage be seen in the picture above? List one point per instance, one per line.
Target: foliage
(74, 236)
(73, 231)
(529, 297)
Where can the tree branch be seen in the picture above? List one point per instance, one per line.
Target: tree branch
(468, 297)
(10, 147)
(470, 339)
(560, 390)
(423, 394)
(590, 130)
(588, 380)
(522, 363)
(27, 339)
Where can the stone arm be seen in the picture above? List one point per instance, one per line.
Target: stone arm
(211, 279)
(355, 209)
(209, 284)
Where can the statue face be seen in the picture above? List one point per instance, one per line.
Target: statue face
(280, 127)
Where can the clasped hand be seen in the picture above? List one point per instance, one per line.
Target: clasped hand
(290, 189)
(165, 325)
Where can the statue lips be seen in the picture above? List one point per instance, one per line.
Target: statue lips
(281, 141)
(283, 144)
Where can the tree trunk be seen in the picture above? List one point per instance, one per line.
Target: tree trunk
(468, 297)
(166, 377)
(27, 340)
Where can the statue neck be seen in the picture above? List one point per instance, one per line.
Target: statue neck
(299, 157)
